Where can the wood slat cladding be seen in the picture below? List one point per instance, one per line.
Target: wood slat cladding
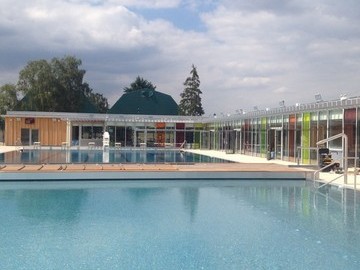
(51, 131)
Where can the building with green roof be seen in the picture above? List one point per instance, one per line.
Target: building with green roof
(146, 102)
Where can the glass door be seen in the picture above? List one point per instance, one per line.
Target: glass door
(278, 144)
(25, 136)
(34, 136)
(140, 138)
(29, 136)
(151, 138)
(238, 140)
(275, 143)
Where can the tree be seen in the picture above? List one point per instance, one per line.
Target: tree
(139, 84)
(190, 103)
(57, 86)
(37, 84)
(99, 101)
(8, 101)
(69, 83)
(8, 98)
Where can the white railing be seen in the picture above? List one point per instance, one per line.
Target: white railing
(344, 159)
(182, 145)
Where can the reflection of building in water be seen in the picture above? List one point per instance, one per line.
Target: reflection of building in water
(304, 202)
(140, 195)
(190, 200)
(51, 205)
(105, 156)
(106, 141)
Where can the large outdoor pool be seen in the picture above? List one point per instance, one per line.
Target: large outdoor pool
(98, 156)
(178, 225)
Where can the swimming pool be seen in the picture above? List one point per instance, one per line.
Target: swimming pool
(178, 225)
(31, 156)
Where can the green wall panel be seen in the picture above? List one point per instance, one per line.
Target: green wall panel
(305, 138)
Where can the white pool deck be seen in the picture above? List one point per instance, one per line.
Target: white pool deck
(248, 166)
(324, 177)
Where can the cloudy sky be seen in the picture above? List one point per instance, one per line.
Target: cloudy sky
(247, 52)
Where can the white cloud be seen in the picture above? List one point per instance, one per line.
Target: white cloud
(250, 53)
(280, 90)
(153, 4)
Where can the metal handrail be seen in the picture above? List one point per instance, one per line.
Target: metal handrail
(182, 145)
(323, 185)
(316, 173)
(345, 155)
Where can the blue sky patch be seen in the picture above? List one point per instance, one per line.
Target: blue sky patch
(183, 17)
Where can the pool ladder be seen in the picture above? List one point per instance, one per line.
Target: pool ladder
(344, 160)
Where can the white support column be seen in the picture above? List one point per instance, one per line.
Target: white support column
(68, 132)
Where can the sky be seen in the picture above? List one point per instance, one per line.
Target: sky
(248, 53)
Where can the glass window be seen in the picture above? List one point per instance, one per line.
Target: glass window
(170, 126)
(150, 126)
(25, 137)
(350, 131)
(98, 132)
(189, 136)
(129, 135)
(313, 134)
(322, 126)
(92, 132)
(86, 132)
(335, 127)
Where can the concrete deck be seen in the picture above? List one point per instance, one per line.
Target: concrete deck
(12, 172)
(353, 180)
(4, 149)
(245, 167)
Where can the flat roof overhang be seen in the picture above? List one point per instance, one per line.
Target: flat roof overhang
(85, 117)
(351, 102)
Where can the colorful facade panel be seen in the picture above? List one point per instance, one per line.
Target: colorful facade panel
(288, 135)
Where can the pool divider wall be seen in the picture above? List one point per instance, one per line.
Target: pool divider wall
(152, 175)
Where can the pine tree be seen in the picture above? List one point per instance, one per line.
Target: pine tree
(139, 84)
(190, 103)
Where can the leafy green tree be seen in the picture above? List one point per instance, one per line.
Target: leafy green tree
(8, 98)
(37, 84)
(99, 101)
(8, 101)
(139, 84)
(190, 103)
(57, 86)
(69, 83)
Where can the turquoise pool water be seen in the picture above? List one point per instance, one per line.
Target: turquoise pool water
(178, 225)
(111, 156)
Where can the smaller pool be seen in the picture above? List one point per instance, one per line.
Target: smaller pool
(110, 156)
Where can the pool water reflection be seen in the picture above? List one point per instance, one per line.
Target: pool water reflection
(178, 225)
(99, 156)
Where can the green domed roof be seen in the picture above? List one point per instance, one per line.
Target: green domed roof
(145, 101)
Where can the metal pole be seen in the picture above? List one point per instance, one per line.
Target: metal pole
(345, 139)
